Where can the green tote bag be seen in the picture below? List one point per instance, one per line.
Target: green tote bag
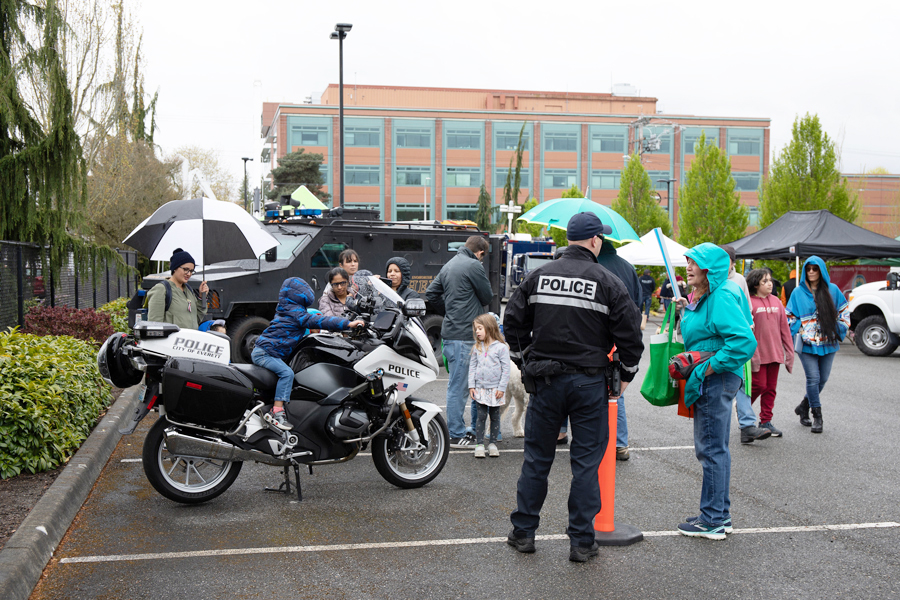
(658, 388)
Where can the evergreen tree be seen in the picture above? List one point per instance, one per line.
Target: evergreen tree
(536, 229)
(709, 210)
(296, 169)
(485, 211)
(806, 176)
(42, 170)
(636, 202)
(514, 177)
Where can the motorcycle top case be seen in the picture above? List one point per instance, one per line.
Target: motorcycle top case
(205, 393)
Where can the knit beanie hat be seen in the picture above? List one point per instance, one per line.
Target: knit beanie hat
(180, 257)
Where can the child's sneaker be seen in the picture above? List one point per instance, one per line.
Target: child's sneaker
(278, 419)
(479, 451)
(492, 450)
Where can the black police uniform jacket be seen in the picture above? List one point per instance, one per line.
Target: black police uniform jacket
(573, 310)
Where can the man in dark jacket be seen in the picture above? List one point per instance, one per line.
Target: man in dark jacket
(648, 286)
(560, 325)
(462, 289)
(624, 270)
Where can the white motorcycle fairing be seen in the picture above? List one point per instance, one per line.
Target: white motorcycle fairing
(409, 375)
(430, 411)
(186, 343)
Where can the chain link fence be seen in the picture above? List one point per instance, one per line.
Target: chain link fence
(23, 282)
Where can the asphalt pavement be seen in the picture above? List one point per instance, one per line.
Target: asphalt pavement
(814, 516)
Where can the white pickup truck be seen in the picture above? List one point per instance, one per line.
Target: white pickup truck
(875, 315)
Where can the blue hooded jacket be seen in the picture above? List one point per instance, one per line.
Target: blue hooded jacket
(292, 320)
(803, 317)
(720, 321)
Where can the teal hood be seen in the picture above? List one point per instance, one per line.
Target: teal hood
(719, 322)
(714, 261)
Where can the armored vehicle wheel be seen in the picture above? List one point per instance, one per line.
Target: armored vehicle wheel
(432, 325)
(243, 334)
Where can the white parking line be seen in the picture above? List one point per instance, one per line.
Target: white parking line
(422, 543)
(511, 451)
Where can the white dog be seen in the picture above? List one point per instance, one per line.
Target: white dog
(515, 395)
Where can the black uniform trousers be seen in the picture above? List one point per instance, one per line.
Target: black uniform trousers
(584, 400)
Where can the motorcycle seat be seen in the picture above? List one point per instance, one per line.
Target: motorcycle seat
(260, 376)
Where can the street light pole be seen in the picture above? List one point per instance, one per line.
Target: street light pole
(339, 33)
(669, 203)
(246, 183)
(425, 181)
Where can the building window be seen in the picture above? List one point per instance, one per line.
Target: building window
(411, 212)
(691, 141)
(463, 139)
(744, 146)
(608, 142)
(746, 182)
(323, 170)
(310, 135)
(560, 178)
(369, 137)
(524, 178)
(413, 175)
(461, 212)
(561, 142)
(463, 177)
(413, 138)
(509, 141)
(362, 175)
(606, 180)
(754, 216)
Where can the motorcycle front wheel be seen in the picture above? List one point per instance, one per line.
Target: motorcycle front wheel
(185, 479)
(407, 467)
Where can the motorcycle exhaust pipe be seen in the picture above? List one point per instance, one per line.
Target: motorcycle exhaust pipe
(185, 445)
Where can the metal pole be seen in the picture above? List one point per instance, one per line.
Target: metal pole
(20, 282)
(341, 107)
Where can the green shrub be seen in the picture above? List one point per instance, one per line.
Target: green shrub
(84, 323)
(118, 312)
(50, 397)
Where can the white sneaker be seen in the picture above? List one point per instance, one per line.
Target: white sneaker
(492, 450)
(479, 451)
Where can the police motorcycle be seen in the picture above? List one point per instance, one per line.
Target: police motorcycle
(349, 393)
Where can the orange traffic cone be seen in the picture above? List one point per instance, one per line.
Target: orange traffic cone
(606, 531)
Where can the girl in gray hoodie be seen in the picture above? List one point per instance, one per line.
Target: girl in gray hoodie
(488, 376)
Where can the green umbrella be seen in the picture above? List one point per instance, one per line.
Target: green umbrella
(556, 213)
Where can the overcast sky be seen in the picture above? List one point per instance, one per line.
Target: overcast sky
(215, 62)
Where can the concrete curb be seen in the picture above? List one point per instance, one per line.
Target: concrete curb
(31, 547)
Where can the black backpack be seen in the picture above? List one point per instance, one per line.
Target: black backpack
(139, 300)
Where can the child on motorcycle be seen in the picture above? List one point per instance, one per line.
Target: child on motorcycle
(280, 338)
(488, 377)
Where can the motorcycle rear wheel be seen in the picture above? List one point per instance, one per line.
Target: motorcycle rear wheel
(412, 468)
(185, 479)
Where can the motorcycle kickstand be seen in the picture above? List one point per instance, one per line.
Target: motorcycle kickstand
(285, 486)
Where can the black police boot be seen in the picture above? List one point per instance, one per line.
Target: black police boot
(817, 419)
(803, 411)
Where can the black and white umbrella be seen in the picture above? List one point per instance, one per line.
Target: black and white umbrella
(211, 230)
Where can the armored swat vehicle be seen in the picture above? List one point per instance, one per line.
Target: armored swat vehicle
(245, 292)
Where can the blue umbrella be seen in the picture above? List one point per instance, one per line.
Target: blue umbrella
(556, 213)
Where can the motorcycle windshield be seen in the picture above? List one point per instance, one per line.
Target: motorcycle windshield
(385, 290)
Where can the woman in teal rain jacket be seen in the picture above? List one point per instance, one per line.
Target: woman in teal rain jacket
(718, 320)
(819, 312)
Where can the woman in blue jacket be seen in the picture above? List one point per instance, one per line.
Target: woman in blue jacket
(718, 320)
(277, 342)
(818, 311)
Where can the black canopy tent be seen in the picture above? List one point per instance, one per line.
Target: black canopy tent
(815, 232)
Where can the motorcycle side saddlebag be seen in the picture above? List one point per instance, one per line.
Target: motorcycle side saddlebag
(204, 393)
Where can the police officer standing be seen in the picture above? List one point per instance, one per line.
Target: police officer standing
(560, 325)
